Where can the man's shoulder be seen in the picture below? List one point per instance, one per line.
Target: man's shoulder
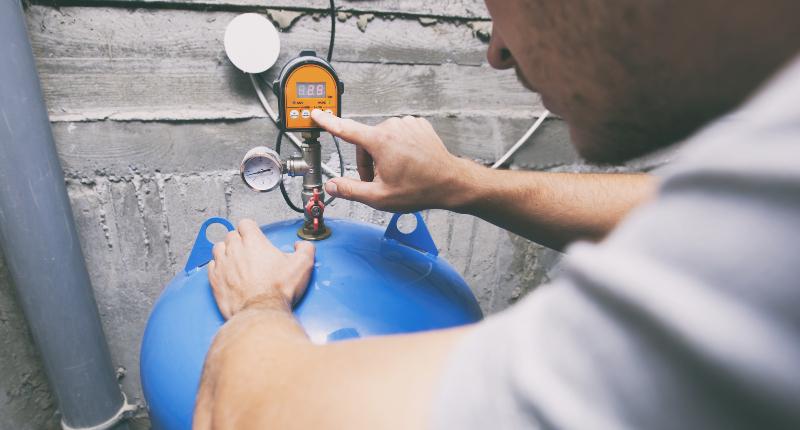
(761, 136)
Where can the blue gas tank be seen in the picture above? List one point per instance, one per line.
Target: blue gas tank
(366, 282)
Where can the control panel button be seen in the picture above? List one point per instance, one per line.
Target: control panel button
(293, 114)
(306, 113)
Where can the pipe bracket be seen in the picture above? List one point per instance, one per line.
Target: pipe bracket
(125, 411)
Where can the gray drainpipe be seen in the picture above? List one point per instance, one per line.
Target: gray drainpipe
(41, 246)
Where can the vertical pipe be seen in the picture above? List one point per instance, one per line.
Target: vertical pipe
(40, 243)
(312, 178)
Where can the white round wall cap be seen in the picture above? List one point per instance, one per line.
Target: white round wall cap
(252, 43)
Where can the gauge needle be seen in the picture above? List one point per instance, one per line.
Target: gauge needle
(258, 173)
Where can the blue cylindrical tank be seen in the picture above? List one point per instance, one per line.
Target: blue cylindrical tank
(365, 282)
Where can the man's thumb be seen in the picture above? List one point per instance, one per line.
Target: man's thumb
(352, 189)
(304, 249)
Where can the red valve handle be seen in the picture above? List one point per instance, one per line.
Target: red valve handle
(315, 201)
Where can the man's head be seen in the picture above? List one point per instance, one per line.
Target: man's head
(631, 76)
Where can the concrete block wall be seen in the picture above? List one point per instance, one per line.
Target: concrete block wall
(151, 121)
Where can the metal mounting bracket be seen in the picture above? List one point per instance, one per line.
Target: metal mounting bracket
(420, 238)
(201, 251)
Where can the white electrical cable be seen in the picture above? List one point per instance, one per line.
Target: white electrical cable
(521, 140)
(294, 139)
(263, 100)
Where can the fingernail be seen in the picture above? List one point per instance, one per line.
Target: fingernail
(330, 187)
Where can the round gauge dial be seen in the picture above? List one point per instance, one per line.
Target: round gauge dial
(261, 169)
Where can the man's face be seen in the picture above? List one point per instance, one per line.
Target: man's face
(630, 76)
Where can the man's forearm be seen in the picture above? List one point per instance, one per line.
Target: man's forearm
(235, 362)
(262, 371)
(552, 209)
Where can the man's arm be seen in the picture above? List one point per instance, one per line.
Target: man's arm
(413, 170)
(554, 209)
(263, 372)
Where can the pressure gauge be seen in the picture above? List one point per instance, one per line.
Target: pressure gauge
(307, 83)
(261, 169)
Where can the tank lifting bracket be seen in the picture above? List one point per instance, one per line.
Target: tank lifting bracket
(419, 238)
(201, 251)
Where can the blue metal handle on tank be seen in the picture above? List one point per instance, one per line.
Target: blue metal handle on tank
(366, 282)
(201, 251)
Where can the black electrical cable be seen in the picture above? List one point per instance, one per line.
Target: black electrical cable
(330, 56)
(341, 164)
(282, 186)
(333, 31)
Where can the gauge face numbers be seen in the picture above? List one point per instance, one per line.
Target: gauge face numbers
(261, 169)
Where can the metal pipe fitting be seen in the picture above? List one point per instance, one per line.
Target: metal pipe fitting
(296, 166)
(312, 154)
(313, 193)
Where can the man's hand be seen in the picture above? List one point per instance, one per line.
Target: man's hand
(248, 270)
(412, 169)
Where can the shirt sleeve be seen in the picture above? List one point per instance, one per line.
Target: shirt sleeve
(685, 317)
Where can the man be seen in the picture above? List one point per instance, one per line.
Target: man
(684, 313)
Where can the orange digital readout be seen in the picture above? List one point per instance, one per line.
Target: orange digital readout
(309, 87)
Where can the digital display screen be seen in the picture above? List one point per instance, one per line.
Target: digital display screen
(310, 89)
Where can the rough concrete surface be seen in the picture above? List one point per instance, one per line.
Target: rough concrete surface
(151, 121)
(25, 399)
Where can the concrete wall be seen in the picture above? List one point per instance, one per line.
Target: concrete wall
(151, 120)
